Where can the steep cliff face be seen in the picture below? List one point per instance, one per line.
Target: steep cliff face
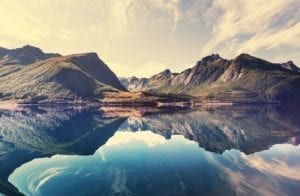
(243, 79)
(92, 65)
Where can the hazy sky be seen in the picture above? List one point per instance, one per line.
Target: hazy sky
(143, 37)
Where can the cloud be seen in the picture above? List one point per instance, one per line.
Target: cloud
(261, 173)
(146, 70)
(170, 32)
(248, 26)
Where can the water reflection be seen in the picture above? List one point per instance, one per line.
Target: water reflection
(139, 151)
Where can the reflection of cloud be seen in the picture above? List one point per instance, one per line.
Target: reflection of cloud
(279, 165)
(43, 178)
(276, 167)
(37, 180)
(147, 137)
(260, 173)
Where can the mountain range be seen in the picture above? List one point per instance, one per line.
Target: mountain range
(215, 79)
(29, 75)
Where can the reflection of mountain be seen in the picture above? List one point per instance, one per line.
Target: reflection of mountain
(57, 131)
(42, 132)
(144, 163)
(246, 129)
(29, 134)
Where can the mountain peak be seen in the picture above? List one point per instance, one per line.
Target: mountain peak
(88, 55)
(210, 58)
(30, 46)
(91, 64)
(245, 56)
(290, 65)
(24, 56)
(31, 49)
(163, 75)
(132, 79)
(166, 71)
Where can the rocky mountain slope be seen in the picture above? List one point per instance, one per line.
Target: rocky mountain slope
(243, 79)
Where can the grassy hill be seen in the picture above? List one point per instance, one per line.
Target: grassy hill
(60, 79)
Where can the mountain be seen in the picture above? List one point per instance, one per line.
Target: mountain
(60, 79)
(242, 79)
(23, 56)
(133, 83)
(291, 66)
(3, 51)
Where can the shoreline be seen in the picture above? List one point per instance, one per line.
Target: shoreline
(13, 104)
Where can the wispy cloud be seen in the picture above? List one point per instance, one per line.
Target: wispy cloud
(249, 26)
(135, 32)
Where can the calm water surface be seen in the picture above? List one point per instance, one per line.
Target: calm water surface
(205, 151)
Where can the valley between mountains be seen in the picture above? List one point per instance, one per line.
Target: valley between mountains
(30, 76)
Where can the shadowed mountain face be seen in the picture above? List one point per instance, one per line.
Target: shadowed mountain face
(97, 69)
(243, 79)
(59, 79)
(23, 56)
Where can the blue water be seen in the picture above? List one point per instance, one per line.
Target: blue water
(229, 151)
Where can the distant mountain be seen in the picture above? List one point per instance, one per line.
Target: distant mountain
(3, 51)
(60, 79)
(291, 66)
(243, 79)
(23, 56)
(134, 83)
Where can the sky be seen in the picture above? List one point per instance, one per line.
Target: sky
(144, 37)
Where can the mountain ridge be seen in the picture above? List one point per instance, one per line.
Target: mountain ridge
(61, 78)
(244, 79)
(23, 56)
(28, 75)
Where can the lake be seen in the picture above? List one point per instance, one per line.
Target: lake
(240, 150)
